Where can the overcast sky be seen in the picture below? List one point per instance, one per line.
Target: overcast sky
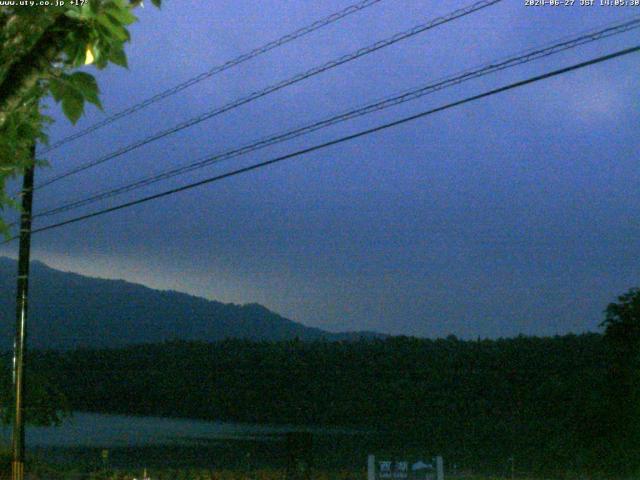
(516, 214)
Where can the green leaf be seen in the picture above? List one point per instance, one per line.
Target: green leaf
(73, 105)
(98, 53)
(43, 138)
(121, 27)
(117, 56)
(113, 27)
(75, 53)
(86, 11)
(87, 86)
(101, 64)
(157, 3)
(57, 89)
(72, 13)
(121, 14)
(79, 56)
(94, 5)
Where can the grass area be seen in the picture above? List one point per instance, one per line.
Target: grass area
(206, 474)
(44, 472)
(238, 460)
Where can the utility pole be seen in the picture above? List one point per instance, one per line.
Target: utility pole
(19, 348)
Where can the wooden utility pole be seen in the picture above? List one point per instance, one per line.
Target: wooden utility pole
(19, 348)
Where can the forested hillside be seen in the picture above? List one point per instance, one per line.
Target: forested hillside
(543, 400)
(67, 310)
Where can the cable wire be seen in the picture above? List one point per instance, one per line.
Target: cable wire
(340, 140)
(318, 24)
(278, 86)
(528, 55)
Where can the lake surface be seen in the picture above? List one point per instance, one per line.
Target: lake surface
(97, 430)
(155, 442)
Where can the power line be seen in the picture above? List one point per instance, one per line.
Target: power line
(340, 140)
(318, 24)
(278, 86)
(409, 95)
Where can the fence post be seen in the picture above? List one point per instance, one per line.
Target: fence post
(371, 467)
(439, 468)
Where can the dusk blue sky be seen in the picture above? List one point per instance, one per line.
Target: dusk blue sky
(516, 214)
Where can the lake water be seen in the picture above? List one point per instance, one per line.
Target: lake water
(97, 430)
(154, 442)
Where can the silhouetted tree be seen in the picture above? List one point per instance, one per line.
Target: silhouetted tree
(622, 396)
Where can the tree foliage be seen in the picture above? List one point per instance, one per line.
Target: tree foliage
(45, 402)
(559, 406)
(41, 50)
(622, 389)
(476, 402)
(622, 320)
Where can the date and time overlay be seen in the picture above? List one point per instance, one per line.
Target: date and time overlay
(526, 3)
(582, 3)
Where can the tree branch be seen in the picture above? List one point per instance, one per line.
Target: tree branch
(24, 74)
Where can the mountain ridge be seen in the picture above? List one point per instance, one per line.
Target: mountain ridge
(70, 310)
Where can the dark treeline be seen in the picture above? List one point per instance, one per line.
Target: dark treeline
(547, 402)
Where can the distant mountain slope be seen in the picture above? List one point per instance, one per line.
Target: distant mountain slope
(67, 310)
